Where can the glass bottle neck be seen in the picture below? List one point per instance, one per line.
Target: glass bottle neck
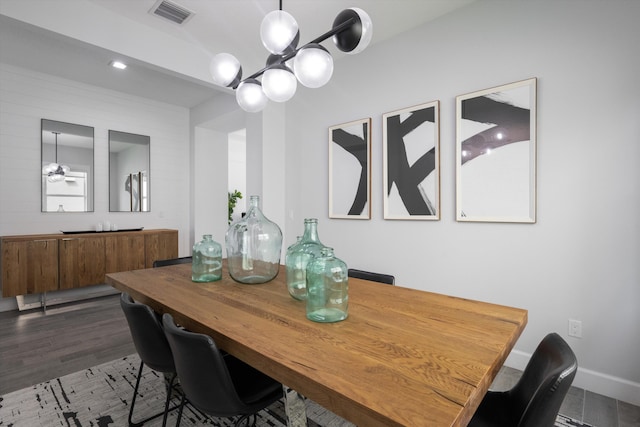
(311, 231)
(254, 205)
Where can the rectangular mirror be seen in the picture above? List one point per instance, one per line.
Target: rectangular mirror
(496, 154)
(128, 172)
(67, 167)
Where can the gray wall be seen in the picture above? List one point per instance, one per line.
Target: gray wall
(581, 259)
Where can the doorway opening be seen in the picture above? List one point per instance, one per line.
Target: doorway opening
(237, 167)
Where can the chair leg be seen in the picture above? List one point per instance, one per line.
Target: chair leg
(166, 403)
(168, 400)
(182, 402)
(135, 395)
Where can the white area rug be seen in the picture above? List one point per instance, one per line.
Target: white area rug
(100, 397)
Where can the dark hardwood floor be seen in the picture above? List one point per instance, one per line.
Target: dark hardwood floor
(37, 346)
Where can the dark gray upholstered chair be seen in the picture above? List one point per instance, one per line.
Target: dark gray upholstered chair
(172, 261)
(535, 400)
(374, 277)
(217, 384)
(152, 347)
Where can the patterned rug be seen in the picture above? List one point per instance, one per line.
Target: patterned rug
(563, 421)
(100, 397)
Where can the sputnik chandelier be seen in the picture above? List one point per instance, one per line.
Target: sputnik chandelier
(312, 63)
(54, 171)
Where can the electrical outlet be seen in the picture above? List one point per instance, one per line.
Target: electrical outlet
(575, 328)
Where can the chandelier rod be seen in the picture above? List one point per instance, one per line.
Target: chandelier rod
(332, 32)
(56, 134)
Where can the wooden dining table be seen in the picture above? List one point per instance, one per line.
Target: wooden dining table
(403, 357)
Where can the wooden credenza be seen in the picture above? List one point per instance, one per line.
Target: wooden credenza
(49, 262)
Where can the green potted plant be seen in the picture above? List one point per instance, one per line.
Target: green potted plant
(233, 200)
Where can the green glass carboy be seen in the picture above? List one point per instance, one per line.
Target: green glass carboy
(298, 256)
(327, 288)
(253, 246)
(206, 265)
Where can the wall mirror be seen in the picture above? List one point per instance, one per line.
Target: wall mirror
(496, 154)
(128, 172)
(67, 167)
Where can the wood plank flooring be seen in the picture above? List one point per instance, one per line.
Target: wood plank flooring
(36, 347)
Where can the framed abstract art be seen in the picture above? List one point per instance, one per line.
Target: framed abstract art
(411, 162)
(350, 170)
(496, 154)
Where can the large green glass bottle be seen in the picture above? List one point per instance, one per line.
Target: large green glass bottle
(206, 263)
(327, 288)
(253, 246)
(298, 256)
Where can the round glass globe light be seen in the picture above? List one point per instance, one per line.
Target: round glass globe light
(279, 84)
(313, 66)
(250, 96)
(51, 167)
(356, 38)
(225, 70)
(367, 30)
(279, 32)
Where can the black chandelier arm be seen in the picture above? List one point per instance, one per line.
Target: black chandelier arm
(335, 30)
(332, 32)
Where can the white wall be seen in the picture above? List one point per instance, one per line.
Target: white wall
(237, 149)
(26, 97)
(210, 184)
(581, 259)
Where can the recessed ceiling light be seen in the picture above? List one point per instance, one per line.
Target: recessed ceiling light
(119, 65)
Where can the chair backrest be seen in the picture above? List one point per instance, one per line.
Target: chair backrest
(374, 277)
(172, 261)
(545, 382)
(202, 370)
(148, 336)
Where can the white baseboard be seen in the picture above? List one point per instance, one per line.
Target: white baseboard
(596, 382)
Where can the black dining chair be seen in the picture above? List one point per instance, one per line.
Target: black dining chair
(214, 383)
(152, 347)
(537, 396)
(172, 261)
(374, 277)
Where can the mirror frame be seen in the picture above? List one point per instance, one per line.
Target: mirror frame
(137, 180)
(78, 132)
(496, 151)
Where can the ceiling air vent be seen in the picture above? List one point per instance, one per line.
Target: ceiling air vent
(171, 11)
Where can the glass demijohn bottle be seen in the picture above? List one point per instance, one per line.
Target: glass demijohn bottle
(298, 256)
(327, 288)
(253, 246)
(206, 265)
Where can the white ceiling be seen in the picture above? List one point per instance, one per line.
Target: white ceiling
(217, 26)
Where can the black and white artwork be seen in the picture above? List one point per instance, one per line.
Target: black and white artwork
(496, 154)
(350, 170)
(131, 187)
(411, 162)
